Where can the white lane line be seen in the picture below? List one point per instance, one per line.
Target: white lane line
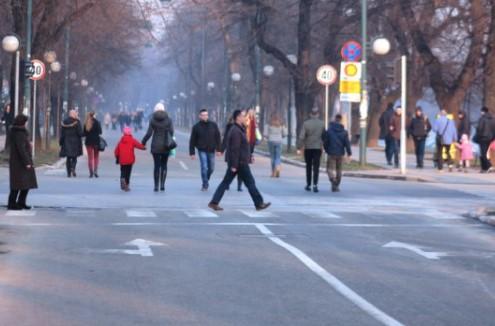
(184, 166)
(256, 214)
(443, 216)
(200, 213)
(322, 214)
(140, 213)
(20, 213)
(334, 282)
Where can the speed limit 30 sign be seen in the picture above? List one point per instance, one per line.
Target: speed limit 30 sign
(39, 70)
(326, 75)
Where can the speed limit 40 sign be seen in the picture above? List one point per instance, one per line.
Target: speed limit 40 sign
(39, 70)
(326, 75)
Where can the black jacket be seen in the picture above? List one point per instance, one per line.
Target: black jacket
(485, 132)
(21, 178)
(385, 120)
(238, 149)
(93, 135)
(419, 127)
(463, 127)
(226, 132)
(161, 128)
(205, 136)
(336, 140)
(71, 138)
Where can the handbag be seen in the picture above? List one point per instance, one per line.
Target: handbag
(102, 144)
(171, 144)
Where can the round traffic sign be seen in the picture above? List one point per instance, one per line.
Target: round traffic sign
(351, 70)
(351, 51)
(39, 70)
(326, 75)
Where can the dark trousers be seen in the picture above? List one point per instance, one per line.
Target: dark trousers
(160, 170)
(18, 197)
(440, 148)
(419, 145)
(246, 176)
(485, 162)
(312, 158)
(71, 163)
(334, 169)
(389, 148)
(396, 151)
(125, 173)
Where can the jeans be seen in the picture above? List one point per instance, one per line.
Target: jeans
(440, 148)
(160, 170)
(334, 169)
(389, 148)
(312, 158)
(125, 173)
(93, 158)
(275, 154)
(207, 161)
(246, 176)
(419, 145)
(485, 163)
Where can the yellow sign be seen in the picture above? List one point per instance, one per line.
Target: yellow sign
(350, 87)
(350, 82)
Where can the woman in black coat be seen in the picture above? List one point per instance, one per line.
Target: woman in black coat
(21, 168)
(92, 132)
(71, 142)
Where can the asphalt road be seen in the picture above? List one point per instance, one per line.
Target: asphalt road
(379, 252)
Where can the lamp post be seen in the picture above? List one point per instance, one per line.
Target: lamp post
(268, 71)
(291, 107)
(50, 58)
(84, 85)
(11, 44)
(29, 31)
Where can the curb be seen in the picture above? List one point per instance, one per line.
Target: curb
(484, 215)
(362, 175)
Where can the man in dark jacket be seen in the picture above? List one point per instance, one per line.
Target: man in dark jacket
(71, 141)
(385, 134)
(205, 137)
(418, 129)
(485, 133)
(336, 144)
(238, 156)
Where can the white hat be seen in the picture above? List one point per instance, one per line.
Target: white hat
(159, 107)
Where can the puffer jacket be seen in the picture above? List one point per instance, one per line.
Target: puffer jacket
(159, 130)
(71, 138)
(336, 140)
(485, 132)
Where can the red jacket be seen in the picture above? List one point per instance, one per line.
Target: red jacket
(124, 150)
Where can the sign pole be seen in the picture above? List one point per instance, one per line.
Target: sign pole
(326, 105)
(403, 136)
(34, 118)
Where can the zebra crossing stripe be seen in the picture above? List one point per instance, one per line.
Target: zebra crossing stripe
(257, 214)
(140, 213)
(21, 213)
(200, 213)
(322, 214)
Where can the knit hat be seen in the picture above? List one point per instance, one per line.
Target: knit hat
(159, 107)
(127, 131)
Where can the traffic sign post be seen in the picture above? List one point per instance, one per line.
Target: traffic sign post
(326, 75)
(351, 51)
(39, 72)
(350, 82)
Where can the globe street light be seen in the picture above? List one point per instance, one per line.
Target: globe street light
(11, 44)
(236, 77)
(268, 71)
(210, 86)
(84, 83)
(50, 57)
(381, 46)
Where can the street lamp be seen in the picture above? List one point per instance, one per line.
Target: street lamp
(291, 107)
(11, 44)
(50, 58)
(210, 86)
(236, 78)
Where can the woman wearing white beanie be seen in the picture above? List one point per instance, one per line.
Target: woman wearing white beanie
(159, 107)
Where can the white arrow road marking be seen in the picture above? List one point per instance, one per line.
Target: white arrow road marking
(183, 165)
(143, 248)
(416, 249)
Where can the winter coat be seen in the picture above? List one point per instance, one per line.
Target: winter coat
(238, 151)
(205, 136)
(466, 151)
(93, 135)
(336, 140)
(124, 151)
(21, 178)
(446, 130)
(463, 127)
(71, 138)
(419, 127)
(385, 122)
(485, 132)
(395, 126)
(310, 135)
(226, 132)
(161, 128)
(275, 134)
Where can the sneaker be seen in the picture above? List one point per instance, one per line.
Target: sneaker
(215, 207)
(315, 189)
(263, 206)
(24, 206)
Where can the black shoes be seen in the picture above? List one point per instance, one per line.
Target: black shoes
(315, 189)
(215, 207)
(308, 188)
(14, 207)
(263, 206)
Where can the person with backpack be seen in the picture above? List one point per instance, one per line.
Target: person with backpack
(125, 157)
(485, 134)
(336, 144)
(418, 130)
(446, 135)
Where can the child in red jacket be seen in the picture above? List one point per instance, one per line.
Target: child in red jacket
(124, 153)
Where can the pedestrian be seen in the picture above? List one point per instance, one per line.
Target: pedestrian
(229, 124)
(418, 130)
(107, 120)
(205, 137)
(251, 131)
(485, 134)
(395, 131)
(21, 167)
(336, 143)
(161, 132)
(238, 157)
(310, 140)
(466, 149)
(446, 135)
(92, 132)
(71, 141)
(275, 135)
(490, 153)
(124, 155)
(385, 133)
